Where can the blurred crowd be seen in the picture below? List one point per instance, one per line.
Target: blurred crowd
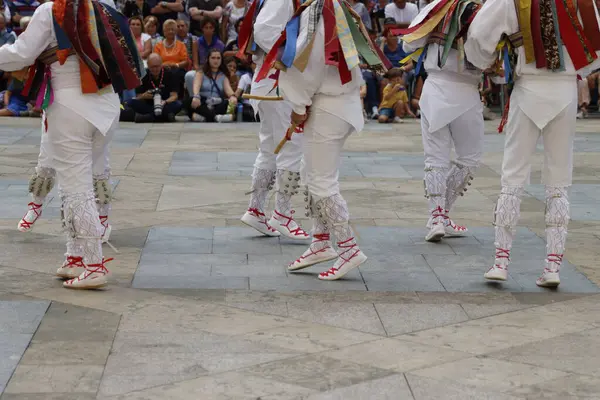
(189, 47)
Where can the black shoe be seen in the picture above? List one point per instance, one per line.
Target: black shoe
(143, 118)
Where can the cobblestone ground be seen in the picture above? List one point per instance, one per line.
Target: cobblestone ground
(200, 307)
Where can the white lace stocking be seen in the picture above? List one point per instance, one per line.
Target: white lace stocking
(435, 191)
(333, 212)
(459, 178)
(262, 183)
(287, 185)
(557, 220)
(506, 217)
(80, 218)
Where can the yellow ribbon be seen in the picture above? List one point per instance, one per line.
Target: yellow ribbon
(428, 26)
(524, 12)
(412, 56)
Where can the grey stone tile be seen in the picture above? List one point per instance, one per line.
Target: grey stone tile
(471, 279)
(317, 372)
(179, 246)
(55, 378)
(188, 156)
(396, 263)
(401, 280)
(21, 316)
(176, 233)
(310, 282)
(373, 235)
(48, 396)
(181, 265)
(571, 281)
(393, 387)
(12, 347)
(572, 387)
(577, 353)
(181, 282)
(424, 388)
(484, 310)
(405, 318)
(254, 271)
(246, 245)
(356, 316)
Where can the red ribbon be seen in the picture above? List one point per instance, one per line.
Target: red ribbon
(245, 32)
(536, 34)
(569, 35)
(434, 10)
(270, 58)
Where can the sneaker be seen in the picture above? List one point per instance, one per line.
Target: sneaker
(287, 226)
(374, 113)
(453, 230)
(107, 229)
(34, 212)
(548, 279)
(257, 220)
(497, 273)
(351, 257)
(71, 268)
(198, 118)
(224, 118)
(94, 276)
(436, 232)
(319, 251)
(398, 120)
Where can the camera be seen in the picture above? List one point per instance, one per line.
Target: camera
(157, 98)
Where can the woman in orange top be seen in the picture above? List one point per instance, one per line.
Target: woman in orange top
(172, 51)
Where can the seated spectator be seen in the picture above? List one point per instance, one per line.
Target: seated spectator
(418, 89)
(157, 98)
(234, 78)
(583, 97)
(361, 9)
(173, 52)
(165, 10)
(204, 44)
(402, 12)
(5, 12)
(199, 10)
(371, 99)
(14, 103)
(378, 15)
(151, 27)
(136, 8)
(394, 104)
(392, 48)
(142, 40)
(6, 36)
(20, 9)
(184, 36)
(233, 12)
(211, 92)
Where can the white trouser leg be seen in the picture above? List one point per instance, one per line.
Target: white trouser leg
(437, 147)
(43, 181)
(467, 134)
(72, 139)
(101, 168)
(325, 135)
(557, 221)
(189, 82)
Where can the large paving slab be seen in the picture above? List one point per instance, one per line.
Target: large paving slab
(18, 322)
(399, 260)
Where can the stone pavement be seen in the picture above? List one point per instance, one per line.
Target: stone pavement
(202, 308)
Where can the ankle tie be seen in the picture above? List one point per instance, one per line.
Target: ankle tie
(36, 208)
(296, 232)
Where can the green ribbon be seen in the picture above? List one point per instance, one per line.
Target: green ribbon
(362, 46)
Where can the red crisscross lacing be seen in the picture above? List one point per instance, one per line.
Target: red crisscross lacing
(296, 232)
(452, 225)
(437, 212)
(92, 269)
(261, 218)
(104, 221)
(36, 208)
(318, 237)
(502, 253)
(553, 258)
(347, 248)
(74, 262)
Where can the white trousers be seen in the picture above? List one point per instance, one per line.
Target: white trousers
(100, 155)
(324, 138)
(275, 117)
(521, 140)
(75, 145)
(465, 132)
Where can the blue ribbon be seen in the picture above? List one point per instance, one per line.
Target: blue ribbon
(256, 11)
(421, 59)
(291, 37)
(61, 37)
(507, 69)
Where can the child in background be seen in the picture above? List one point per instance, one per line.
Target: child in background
(394, 104)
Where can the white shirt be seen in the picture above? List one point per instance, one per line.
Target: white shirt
(319, 84)
(450, 90)
(99, 109)
(402, 15)
(270, 22)
(542, 86)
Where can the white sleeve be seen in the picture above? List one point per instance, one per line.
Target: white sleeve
(496, 18)
(388, 11)
(296, 88)
(271, 21)
(31, 43)
(415, 11)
